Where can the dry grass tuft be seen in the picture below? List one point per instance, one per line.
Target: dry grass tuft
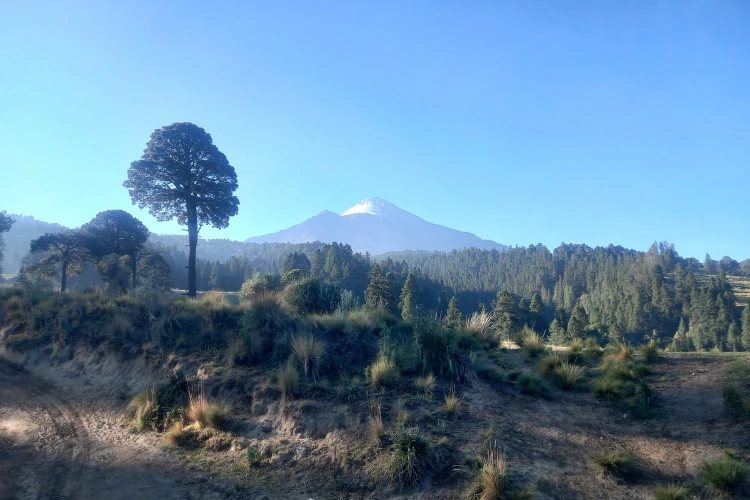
(532, 344)
(288, 379)
(426, 385)
(205, 413)
(175, 436)
(567, 375)
(452, 403)
(649, 351)
(308, 351)
(478, 324)
(614, 462)
(376, 424)
(671, 491)
(384, 371)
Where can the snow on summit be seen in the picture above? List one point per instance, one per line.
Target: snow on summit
(373, 206)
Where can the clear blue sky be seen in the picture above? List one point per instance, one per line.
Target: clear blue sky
(521, 121)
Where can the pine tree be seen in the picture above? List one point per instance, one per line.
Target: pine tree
(407, 299)
(734, 338)
(578, 322)
(482, 308)
(557, 334)
(503, 315)
(378, 293)
(453, 316)
(746, 327)
(536, 313)
(214, 281)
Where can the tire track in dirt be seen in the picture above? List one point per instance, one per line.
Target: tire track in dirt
(60, 450)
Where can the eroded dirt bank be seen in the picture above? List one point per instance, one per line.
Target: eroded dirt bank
(60, 443)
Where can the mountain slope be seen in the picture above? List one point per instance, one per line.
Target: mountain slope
(377, 226)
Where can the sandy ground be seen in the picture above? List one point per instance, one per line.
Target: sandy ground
(53, 447)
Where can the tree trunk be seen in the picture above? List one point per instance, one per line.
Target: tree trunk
(192, 223)
(64, 276)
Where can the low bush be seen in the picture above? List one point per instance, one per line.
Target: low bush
(671, 491)
(614, 462)
(259, 286)
(160, 406)
(532, 384)
(238, 352)
(726, 474)
(313, 295)
(487, 370)
(334, 323)
(435, 346)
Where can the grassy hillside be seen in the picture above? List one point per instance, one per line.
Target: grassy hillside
(284, 405)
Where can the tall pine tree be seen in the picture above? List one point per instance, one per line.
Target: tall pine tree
(406, 302)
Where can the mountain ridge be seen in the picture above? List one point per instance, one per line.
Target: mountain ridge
(377, 226)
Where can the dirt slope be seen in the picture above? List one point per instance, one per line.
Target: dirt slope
(52, 447)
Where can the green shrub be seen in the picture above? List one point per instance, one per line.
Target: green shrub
(671, 491)
(435, 345)
(532, 384)
(733, 400)
(259, 286)
(725, 474)
(566, 375)
(410, 456)
(615, 462)
(160, 406)
(313, 295)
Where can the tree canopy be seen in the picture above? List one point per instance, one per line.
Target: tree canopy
(67, 254)
(5, 224)
(182, 175)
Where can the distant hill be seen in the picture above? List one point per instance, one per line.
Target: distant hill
(374, 225)
(17, 240)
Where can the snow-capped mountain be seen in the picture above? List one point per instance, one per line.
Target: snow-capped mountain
(374, 225)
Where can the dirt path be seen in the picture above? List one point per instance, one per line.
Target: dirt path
(52, 447)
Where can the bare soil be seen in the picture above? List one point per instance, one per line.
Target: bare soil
(69, 439)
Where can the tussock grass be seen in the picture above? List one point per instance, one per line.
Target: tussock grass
(213, 299)
(618, 353)
(622, 381)
(549, 363)
(725, 474)
(175, 436)
(287, 378)
(143, 408)
(532, 344)
(426, 385)
(614, 462)
(334, 323)
(566, 375)
(383, 371)
(734, 403)
(308, 351)
(452, 403)
(376, 424)
(158, 406)
(671, 491)
(532, 384)
(410, 457)
(479, 325)
(205, 413)
(576, 345)
(238, 352)
(649, 351)
(491, 480)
